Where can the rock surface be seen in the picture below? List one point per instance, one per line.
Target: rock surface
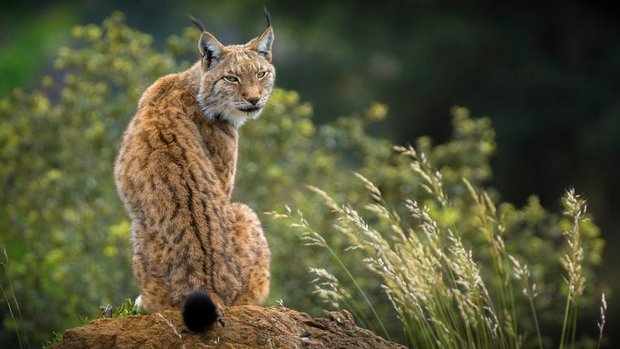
(241, 327)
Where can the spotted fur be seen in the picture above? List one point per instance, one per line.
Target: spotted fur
(175, 173)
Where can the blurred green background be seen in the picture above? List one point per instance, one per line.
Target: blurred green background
(547, 74)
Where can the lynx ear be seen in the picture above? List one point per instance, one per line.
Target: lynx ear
(262, 44)
(210, 49)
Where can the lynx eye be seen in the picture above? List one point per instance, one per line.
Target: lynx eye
(261, 75)
(231, 78)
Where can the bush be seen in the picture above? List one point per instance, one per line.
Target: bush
(68, 238)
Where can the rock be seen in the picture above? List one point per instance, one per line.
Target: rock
(241, 327)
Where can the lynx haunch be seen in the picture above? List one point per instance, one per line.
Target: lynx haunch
(192, 247)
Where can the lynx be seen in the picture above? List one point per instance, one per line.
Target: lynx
(193, 248)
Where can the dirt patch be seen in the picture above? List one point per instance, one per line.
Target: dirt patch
(241, 327)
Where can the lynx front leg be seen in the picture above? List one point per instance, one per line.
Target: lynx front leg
(252, 254)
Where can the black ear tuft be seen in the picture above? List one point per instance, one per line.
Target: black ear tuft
(197, 22)
(267, 16)
(199, 312)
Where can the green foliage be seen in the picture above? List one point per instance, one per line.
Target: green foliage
(60, 219)
(69, 239)
(127, 308)
(56, 338)
(84, 320)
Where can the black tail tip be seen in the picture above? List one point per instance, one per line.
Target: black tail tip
(199, 312)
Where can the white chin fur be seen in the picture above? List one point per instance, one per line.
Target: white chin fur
(233, 115)
(238, 117)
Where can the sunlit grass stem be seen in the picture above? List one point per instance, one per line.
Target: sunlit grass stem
(12, 298)
(316, 239)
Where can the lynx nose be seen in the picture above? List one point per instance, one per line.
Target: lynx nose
(252, 100)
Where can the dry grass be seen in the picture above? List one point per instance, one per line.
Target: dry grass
(8, 296)
(432, 280)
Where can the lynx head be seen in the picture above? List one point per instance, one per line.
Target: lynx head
(236, 80)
